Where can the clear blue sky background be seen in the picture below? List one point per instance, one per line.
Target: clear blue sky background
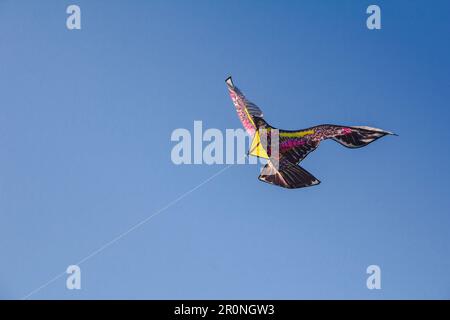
(85, 124)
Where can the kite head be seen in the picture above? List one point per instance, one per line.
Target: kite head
(260, 123)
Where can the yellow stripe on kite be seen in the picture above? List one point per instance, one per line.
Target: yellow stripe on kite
(297, 134)
(256, 149)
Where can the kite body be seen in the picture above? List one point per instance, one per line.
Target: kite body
(282, 167)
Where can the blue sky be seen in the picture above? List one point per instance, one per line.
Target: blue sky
(85, 124)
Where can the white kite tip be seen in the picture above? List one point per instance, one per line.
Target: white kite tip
(229, 81)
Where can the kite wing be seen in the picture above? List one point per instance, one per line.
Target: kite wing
(246, 110)
(296, 148)
(358, 136)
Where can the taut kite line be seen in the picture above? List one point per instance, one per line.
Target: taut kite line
(293, 145)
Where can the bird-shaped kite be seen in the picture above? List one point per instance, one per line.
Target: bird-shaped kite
(293, 146)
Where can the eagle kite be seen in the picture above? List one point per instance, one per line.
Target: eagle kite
(293, 146)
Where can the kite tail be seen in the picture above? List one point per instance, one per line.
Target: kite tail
(357, 137)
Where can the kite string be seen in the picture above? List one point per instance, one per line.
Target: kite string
(134, 227)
